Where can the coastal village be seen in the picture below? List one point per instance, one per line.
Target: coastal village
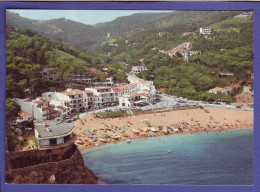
(55, 126)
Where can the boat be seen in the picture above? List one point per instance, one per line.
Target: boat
(102, 140)
(170, 127)
(154, 129)
(135, 131)
(165, 130)
(128, 141)
(176, 129)
(116, 137)
(124, 134)
(169, 151)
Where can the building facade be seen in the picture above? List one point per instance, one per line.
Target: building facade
(205, 31)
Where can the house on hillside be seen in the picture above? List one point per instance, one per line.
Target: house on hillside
(245, 14)
(188, 54)
(161, 34)
(48, 74)
(187, 33)
(92, 70)
(185, 45)
(216, 90)
(225, 74)
(142, 61)
(138, 69)
(174, 51)
(205, 31)
(24, 116)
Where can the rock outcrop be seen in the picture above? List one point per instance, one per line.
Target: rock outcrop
(69, 171)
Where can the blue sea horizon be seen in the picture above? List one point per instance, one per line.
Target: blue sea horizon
(214, 158)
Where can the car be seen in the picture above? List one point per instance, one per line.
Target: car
(239, 107)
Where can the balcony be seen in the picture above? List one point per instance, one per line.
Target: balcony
(48, 108)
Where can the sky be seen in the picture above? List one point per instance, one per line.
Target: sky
(90, 17)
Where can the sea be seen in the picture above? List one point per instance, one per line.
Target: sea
(213, 158)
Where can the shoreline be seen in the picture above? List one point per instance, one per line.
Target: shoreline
(217, 121)
(82, 149)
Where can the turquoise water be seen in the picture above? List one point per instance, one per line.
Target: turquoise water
(224, 158)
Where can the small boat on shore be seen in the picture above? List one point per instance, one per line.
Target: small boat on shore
(128, 141)
(154, 129)
(116, 137)
(135, 131)
(102, 140)
(165, 130)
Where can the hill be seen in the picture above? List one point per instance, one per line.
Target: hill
(78, 34)
(225, 51)
(27, 53)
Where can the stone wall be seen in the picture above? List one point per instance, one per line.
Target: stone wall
(34, 157)
(67, 171)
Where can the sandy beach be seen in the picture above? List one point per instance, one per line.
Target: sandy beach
(90, 128)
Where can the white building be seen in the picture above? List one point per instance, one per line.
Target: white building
(188, 54)
(185, 45)
(103, 95)
(205, 31)
(24, 116)
(138, 69)
(174, 51)
(217, 90)
(54, 136)
(40, 108)
(187, 33)
(245, 14)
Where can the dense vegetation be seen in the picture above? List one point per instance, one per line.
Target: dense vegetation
(78, 34)
(229, 50)
(28, 53)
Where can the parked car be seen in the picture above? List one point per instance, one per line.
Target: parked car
(239, 107)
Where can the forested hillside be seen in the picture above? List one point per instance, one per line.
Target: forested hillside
(27, 53)
(228, 50)
(78, 34)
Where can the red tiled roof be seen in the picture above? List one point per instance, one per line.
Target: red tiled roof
(87, 91)
(144, 94)
(176, 50)
(92, 69)
(62, 108)
(216, 89)
(57, 112)
(72, 92)
(28, 100)
(41, 102)
(133, 94)
(47, 108)
(23, 113)
(194, 51)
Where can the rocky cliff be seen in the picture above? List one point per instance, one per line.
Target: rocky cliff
(69, 171)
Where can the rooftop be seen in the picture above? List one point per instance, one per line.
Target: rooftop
(216, 89)
(62, 108)
(72, 92)
(23, 113)
(56, 130)
(41, 102)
